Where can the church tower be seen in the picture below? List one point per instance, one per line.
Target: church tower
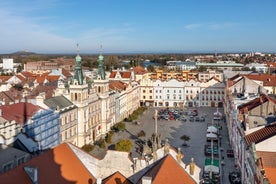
(102, 88)
(83, 95)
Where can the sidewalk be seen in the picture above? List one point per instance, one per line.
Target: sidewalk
(227, 163)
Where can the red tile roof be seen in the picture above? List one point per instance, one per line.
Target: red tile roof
(139, 70)
(117, 85)
(4, 78)
(255, 103)
(167, 170)
(66, 73)
(19, 112)
(116, 178)
(268, 80)
(269, 164)
(58, 165)
(261, 134)
(124, 74)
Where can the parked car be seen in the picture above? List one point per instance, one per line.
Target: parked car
(171, 117)
(191, 118)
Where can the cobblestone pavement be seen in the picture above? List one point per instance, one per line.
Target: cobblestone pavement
(173, 130)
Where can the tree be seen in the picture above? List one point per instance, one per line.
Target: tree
(123, 145)
(150, 68)
(185, 138)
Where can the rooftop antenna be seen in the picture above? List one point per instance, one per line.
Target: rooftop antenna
(78, 48)
(101, 49)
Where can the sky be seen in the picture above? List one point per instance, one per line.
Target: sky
(126, 26)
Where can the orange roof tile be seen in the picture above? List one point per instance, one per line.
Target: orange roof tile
(4, 78)
(117, 85)
(58, 165)
(167, 170)
(19, 112)
(268, 80)
(116, 178)
(255, 103)
(139, 70)
(270, 174)
(261, 134)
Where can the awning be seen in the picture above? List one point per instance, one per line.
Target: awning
(211, 165)
(212, 129)
(211, 136)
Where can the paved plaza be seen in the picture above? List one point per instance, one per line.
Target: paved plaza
(174, 129)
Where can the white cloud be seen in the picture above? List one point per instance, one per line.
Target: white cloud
(193, 26)
(210, 26)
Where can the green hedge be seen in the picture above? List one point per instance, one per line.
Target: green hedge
(118, 127)
(108, 137)
(123, 145)
(87, 147)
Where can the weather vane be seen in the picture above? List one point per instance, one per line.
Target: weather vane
(78, 49)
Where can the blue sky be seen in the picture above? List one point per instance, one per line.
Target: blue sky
(56, 26)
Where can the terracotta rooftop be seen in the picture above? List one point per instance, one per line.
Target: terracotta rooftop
(58, 165)
(167, 170)
(116, 178)
(268, 80)
(139, 70)
(261, 134)
(4, 78)
(19, 112)
(269, 164)
(124, 74)
(255, 103)
(117, 85)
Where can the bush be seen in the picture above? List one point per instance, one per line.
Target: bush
(142, 133)
(118, 127)
(87, 147)
(101, 143)
(108, 137)
(123, 145)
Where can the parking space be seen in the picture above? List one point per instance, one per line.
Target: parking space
(172, 124)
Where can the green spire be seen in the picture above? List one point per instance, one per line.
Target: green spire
(101, 71)
(78, 68)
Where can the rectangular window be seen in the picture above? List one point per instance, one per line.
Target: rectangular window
(144, 97)
(168, 96)
(150, 97)
(150, 91)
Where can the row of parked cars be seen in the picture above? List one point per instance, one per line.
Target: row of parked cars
(179, 114)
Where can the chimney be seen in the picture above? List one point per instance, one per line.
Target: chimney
(99, 181)
(32, 173)
(146, 180)
(192, 167)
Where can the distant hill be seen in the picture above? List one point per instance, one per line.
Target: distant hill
(24, 52)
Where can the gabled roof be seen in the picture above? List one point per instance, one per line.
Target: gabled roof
(267, 79)
(139, 70)
(58, 165)
(167, 170)
(116, 178)
(42, 88)
(117, 85)
(255, 103)
(261, 134)
(124, 74)
(4, 78)
(269, 164)
(59, 101)
(19, 112)
(66, 73)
